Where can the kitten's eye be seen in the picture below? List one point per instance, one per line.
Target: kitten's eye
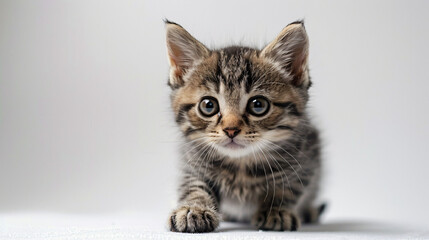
(209, 106)
(258, 106)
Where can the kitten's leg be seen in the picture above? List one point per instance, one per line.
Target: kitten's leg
(312, 214)
(276, 213)
(308, 210)
(197, 211)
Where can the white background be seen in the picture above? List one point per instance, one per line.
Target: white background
(85, 124)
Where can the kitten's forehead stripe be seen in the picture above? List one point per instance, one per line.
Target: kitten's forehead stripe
(235, 66)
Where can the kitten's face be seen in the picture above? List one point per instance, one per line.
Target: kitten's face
(236, 100)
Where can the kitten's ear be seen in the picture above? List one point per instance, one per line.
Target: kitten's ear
(183, 52)
(290, 51)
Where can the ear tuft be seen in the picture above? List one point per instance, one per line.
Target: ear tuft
(183, 52)
(166, 21)
(301, 22)
(290, 51)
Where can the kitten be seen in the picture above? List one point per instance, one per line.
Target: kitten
(250, 152)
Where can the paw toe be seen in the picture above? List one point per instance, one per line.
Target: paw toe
(193, 219)
(277, 220)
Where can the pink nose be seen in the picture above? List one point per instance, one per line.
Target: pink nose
(231, 131)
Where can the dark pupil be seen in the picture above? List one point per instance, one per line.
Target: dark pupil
(258, 106)
(209, 106)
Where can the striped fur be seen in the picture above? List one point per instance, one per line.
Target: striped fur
(269, 173)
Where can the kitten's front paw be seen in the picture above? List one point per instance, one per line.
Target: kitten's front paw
(276, 220)
(193, 219)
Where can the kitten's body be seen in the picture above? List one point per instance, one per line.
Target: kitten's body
(239, 162)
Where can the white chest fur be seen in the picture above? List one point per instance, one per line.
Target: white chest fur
(237, 210)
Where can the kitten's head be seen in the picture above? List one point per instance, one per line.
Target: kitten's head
(237, 99)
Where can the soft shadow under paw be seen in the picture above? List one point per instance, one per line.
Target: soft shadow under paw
(351, 226)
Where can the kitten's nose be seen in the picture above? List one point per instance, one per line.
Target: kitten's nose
(231, 131)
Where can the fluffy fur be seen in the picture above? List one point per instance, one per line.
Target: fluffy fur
(238, 165)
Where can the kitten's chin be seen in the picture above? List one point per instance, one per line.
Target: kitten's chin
(233, 145)
(235, 150)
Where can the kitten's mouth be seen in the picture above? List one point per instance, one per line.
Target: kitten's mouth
(233, 145)
(234, 148)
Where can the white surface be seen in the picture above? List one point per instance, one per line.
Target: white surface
(148, 226)
(85, 124)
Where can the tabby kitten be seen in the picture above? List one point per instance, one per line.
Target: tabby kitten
(250, 152)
